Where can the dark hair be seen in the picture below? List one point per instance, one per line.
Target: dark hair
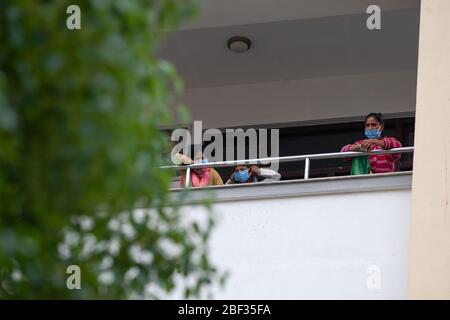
(378, 116)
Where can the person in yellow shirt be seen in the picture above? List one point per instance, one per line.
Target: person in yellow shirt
(201, 177)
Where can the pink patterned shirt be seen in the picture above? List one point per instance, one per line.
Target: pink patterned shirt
(381, 163)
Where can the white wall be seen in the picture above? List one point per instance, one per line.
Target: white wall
(303, 99)
(312, 247)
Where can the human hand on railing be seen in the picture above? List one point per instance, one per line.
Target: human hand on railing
(368, 143)
(181, 159)
(356, 147)
(254, 170)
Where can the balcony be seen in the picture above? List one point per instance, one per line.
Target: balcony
(324, 238)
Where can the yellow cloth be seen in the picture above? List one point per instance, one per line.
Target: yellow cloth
(215, 178)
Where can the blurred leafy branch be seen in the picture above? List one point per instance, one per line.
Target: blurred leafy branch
(80, 144)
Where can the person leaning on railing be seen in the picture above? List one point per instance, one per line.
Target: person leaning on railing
(201, 177)
(243, 174)
(379, 163)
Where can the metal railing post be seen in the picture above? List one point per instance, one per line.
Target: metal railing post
(306, 157)
(307, 163)
(188, 177)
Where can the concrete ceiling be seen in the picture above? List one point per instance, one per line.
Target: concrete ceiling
(294, 47)
(220, 13)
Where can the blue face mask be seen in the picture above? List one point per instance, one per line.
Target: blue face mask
(241, 176)
(373, 134)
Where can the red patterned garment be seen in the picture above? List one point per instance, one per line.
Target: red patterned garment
(381, 163)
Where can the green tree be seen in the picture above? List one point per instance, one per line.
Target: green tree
(80, 149)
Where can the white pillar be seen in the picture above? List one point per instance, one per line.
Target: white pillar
(429, 266)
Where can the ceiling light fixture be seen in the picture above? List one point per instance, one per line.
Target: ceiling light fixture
(239, 44)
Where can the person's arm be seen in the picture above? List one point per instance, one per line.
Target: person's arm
(179, 159)
(269, 175)
(351, 147)
(231, 179)
(391, 143)
(384, 143)
(368, 143)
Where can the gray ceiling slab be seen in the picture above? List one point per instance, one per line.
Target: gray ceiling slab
(295, 49)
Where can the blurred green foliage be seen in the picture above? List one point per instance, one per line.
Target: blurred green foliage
(79, 150)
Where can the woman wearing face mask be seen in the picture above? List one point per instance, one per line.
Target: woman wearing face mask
(379, 163)
(243, 174)
(202, 177)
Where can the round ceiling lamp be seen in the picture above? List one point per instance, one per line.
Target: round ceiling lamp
(239, 44)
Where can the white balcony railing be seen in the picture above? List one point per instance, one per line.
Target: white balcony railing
(307, 158)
